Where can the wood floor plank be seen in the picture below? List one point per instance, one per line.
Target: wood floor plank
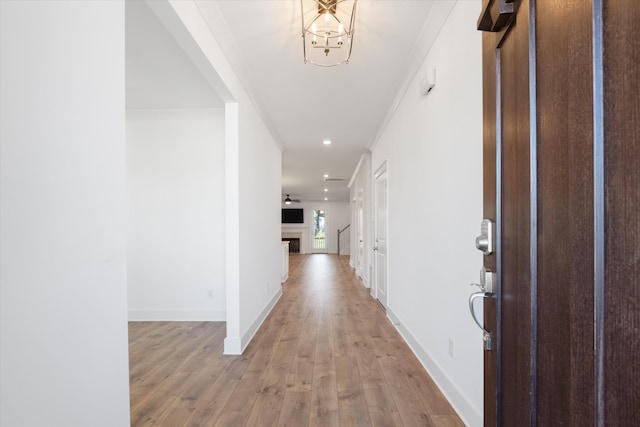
(324, 391)
(412, 412)
(326, 355)
(207, 411)
(158, 401)
(382, 408)
(428, 392)
(447, 421)
(239, 404)
(212, 402)
(352, 404)
(295, 409)
(266, 410)
(301, 375)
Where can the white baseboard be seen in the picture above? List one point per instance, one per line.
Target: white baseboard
(469, 414)
(161, 315)
(232, 346)
(236, 345)
(248, 336)
(365, 282)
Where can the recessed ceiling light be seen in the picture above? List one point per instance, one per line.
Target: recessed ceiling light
(326, 198)
(326, 189)
(327, 142)
(326, 175)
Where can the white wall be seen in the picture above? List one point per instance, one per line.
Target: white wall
(176, 224)
(260, 171)
(253, 163)
(337, 217)
(63, 333)
(433, 148)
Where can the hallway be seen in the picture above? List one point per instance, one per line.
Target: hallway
(326, 356)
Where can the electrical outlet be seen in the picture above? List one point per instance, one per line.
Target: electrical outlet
(451, 347)
(210, 293)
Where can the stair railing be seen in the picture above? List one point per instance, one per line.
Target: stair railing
(340, 233)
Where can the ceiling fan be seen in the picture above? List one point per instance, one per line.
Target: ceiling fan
(288, 200)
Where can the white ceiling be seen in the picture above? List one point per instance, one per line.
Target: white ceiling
(159, 75)
(302, 104)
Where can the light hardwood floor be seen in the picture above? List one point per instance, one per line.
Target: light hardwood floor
(326, 356)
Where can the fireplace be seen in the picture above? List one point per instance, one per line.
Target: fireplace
(297, 238)
(294, 244)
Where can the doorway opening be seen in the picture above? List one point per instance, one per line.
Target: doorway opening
(319, 231)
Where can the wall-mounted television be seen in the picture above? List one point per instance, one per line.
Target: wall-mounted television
(293, 216)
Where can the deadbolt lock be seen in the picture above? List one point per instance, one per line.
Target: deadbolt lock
(484, 242)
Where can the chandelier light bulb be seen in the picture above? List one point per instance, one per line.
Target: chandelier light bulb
(314, 39)
(340, 31)
(327, 21)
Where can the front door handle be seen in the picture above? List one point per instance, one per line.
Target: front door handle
(474, 296)
(486, 336)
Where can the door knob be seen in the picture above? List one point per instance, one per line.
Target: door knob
(375, 248)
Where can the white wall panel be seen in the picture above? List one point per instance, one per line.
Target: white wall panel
(63, 312)
(176, 215)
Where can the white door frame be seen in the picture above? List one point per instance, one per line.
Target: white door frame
(382, 252)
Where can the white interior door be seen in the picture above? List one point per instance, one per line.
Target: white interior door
(380, 235)
(359, 234)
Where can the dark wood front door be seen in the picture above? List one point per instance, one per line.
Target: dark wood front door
(562, 183)
(507, 201)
